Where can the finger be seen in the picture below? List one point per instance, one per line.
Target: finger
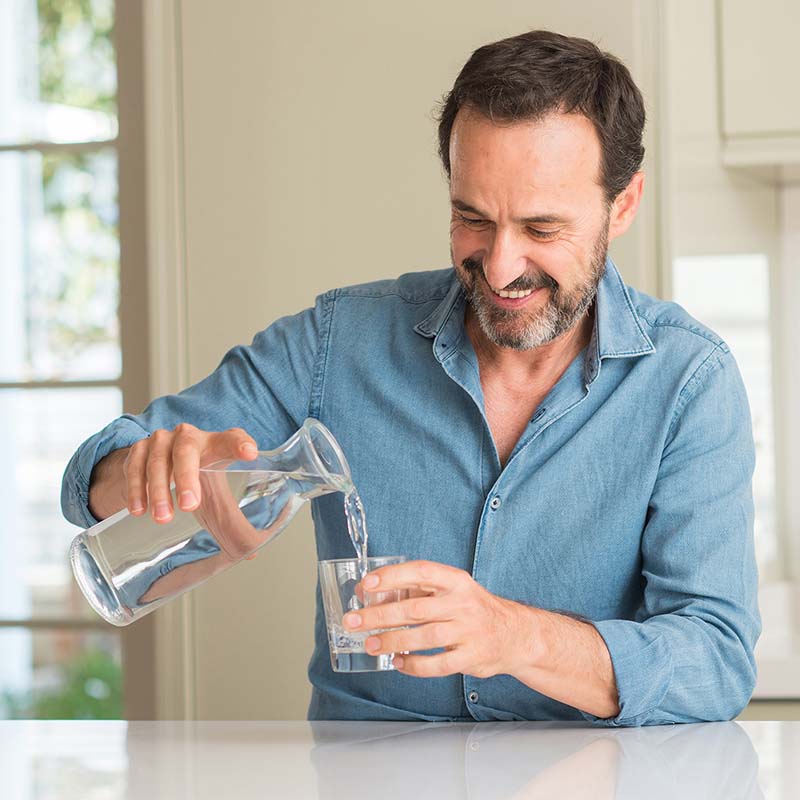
(425, 575)
(377, 597)
(414, 611)
(186, 466)
(424, 637)
(135, 479)
(436, 666)
(237, 443)
(158, 470)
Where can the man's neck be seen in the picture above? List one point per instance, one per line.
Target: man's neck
(539, 365)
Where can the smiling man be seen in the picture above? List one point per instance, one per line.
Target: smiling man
(565, 461)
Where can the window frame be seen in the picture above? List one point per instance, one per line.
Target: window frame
(138, 672)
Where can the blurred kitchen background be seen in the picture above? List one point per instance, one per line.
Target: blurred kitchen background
(176, 174)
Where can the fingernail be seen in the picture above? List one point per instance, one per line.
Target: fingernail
(372, 643)
(188, 500)
(250, 449)
(162, 510)
(137, 507)
(352, 620)
(397, 662)
(371, 581)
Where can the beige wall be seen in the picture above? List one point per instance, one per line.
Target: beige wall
(309, 162)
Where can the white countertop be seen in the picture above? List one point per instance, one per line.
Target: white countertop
(105, 760)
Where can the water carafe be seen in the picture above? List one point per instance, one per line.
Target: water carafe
(128, 566)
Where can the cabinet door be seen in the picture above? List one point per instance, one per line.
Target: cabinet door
(760, 67)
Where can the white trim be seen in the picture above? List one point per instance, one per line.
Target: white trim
(741, 151)
(60, 623)
(770, 159)
(174, 634)
(65, 384)
(58, 147)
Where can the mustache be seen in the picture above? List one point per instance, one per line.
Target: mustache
(474, 267)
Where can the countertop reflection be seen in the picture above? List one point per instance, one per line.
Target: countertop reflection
(496, 761)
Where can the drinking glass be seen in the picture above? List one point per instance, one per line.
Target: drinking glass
(340, 582)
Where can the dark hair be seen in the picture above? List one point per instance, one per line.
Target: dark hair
(526, 77)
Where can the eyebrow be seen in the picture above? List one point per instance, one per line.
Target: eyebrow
(539, 218)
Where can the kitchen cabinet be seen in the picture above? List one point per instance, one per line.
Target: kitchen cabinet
(759, 94)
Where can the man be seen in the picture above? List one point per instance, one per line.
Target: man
(565, 461)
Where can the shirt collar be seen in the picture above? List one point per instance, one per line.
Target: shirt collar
(617, 333)
(432, 325)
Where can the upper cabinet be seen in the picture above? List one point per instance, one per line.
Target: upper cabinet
(760, 86)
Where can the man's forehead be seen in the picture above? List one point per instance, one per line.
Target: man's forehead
(469, 118)
(553, 151)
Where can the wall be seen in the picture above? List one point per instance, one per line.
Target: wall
(309, 162)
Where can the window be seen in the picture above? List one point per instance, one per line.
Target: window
(61, 363)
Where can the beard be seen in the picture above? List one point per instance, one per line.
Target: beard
(523, 329)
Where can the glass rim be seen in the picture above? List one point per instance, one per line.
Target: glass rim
(311, 424)
(355, 559)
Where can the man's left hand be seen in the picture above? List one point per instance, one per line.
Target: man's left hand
(448, 609)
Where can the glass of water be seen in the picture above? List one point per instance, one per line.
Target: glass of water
(339, 581)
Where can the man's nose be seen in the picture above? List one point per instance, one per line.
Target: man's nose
(505, 260)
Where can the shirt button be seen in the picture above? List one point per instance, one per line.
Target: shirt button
(473, 697)
(496, 503)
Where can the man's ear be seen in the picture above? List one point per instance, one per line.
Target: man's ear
(625, 206)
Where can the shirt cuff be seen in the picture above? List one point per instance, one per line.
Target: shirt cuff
(120, 433)
(642, 667)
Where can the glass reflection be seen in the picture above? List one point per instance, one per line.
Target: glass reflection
(483, 761)
(509, 761)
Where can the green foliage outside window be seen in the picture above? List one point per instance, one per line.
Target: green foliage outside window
(76, 54)
(91, 689)
(72, 282)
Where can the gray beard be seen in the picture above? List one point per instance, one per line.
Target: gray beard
(560, 314)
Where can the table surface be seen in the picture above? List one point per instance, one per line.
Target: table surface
(94, 760)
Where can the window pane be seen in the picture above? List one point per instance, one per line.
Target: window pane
(60, 674)
(58, 78)
(730, 294)
(39, 431)
(59, 266)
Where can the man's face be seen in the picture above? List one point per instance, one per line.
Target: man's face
(527, 213)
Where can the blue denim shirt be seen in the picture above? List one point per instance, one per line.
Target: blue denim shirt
(627, 499)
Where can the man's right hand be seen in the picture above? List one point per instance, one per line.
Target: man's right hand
(140, 476)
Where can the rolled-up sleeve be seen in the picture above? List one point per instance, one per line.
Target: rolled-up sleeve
(687, 656)
(267, 388)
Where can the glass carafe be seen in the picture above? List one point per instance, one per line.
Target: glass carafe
(128, 566)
